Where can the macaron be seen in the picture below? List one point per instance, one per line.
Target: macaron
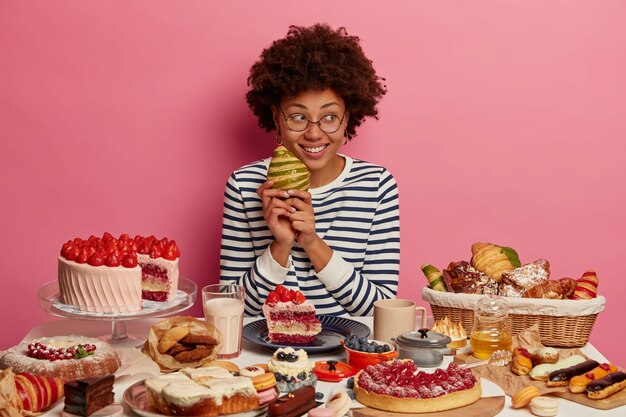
(264, 381)
(266, 395)
(544, 406)
(321, 412)
(340, 403)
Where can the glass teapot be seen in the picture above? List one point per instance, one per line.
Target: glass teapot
(491, 330)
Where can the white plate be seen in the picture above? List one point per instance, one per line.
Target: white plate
(136, 398)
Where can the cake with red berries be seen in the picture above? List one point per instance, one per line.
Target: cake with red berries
(66, 357)
(290, 317)
(112, 275)
(397, 386)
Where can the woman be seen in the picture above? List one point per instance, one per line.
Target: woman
(338, 243)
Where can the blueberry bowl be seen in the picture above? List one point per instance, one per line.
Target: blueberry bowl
(361, 352)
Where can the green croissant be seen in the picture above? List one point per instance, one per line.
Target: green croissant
(287, 171)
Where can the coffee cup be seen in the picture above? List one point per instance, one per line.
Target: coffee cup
(392, 317)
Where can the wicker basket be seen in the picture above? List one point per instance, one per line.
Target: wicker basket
(562, 323)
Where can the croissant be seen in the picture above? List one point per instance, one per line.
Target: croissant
(287, 171)
(435, 277)
(586, 286)
(493, 260)
(553, 289)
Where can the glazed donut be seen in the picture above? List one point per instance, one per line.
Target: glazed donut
(264, 381)
(606, 386)
(252, 371)
(561, 377)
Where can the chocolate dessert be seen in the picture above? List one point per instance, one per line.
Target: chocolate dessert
(86, 396)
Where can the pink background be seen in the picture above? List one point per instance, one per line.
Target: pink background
(504, 122)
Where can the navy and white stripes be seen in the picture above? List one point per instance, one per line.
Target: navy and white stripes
(357, 215)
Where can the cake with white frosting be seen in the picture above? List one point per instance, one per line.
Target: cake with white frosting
(112, 275)
(292, 369)
(201, 392)
(290, 317)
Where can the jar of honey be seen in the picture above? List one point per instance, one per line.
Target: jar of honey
(491, 330)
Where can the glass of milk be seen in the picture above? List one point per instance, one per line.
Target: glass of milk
(223, 308)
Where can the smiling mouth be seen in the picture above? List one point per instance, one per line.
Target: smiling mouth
(316, 149)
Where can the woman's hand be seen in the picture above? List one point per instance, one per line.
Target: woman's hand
(276, 212)
(303, 219)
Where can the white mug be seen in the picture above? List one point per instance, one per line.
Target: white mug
(392, 317)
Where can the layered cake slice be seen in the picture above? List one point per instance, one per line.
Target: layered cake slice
(290, 317)
(85, 397)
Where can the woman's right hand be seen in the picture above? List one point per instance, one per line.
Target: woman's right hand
(275, 212)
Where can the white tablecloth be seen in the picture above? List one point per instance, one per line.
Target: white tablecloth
(254, 354)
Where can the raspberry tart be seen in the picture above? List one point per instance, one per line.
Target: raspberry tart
(290, 317)
(397, 386)
(112, 275)
(66, 357)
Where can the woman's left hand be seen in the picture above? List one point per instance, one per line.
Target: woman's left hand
(303, 220)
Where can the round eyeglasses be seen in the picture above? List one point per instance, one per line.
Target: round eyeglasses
(298, 122)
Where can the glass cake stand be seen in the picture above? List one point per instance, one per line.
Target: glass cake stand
(50, 302)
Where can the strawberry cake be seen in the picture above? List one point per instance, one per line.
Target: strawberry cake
(397, 386)
(290, 317)
(112, 275)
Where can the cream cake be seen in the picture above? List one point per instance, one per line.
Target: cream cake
(203, 391)
(290, 317)
(292, 369)
(113, 275)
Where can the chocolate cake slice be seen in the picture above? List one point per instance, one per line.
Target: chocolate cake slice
(86, 396)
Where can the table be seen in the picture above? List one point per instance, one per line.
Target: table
(255, 354)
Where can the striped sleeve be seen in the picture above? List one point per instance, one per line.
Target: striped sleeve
(357, 290)
(244, 258)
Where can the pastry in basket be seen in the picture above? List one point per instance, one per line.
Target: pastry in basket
(579, 382)
(453, 329)
(27, 393)
(494, 260)
(552, 289)
(207, 391)
(397, 386)
(461, 277)
(515, 283)
(544, 355)
(586, 286)
(435, 277)
(66, 357)
(292, 369)
(607, 386)
(541, 372)
(287, 171)
(521, 364)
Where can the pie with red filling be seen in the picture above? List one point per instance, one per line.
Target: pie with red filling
(398, 386)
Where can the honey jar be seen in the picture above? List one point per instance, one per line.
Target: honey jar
(491, 329)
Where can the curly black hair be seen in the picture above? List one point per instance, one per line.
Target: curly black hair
(315, 57)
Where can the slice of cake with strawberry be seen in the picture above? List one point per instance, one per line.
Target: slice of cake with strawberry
(290, 317)
(112, 275)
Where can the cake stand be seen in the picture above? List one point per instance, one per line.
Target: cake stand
(50, 302)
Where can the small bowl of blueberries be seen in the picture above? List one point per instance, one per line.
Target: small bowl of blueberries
(361, 352)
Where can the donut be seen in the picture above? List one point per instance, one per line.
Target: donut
(264, 381)
(252, 371)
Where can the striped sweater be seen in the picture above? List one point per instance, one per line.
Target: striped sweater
(357, 215)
